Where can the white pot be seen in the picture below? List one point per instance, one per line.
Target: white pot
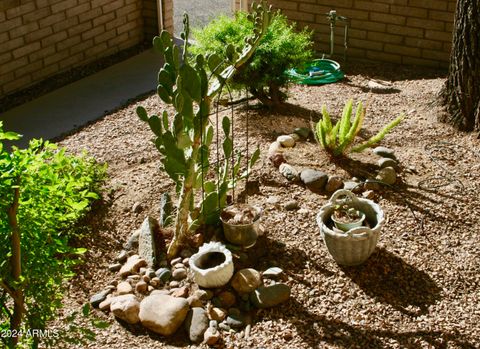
(212, 265)
(354, 246)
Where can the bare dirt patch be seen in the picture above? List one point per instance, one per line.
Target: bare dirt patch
(418, 290)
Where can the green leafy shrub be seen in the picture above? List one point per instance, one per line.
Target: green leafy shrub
(338, 140)
(281, 48)
(44, 193)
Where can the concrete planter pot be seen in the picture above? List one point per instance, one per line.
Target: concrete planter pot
(354, 246)
(244, 235)
(212, 265)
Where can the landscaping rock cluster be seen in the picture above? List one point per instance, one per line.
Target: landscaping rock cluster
(321, 182)
(162, 296)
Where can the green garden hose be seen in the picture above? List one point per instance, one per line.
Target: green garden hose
(316, 72)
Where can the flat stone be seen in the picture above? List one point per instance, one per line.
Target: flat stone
(163, 314)
(115, 267)
(387, 162)
(196, 324)
(126, 308)
(246, 280)
(387, 175)
(151, 245)
(303, 132)
(288, 171)
(124, 287)
(384, 152)
(132, 265)
(286, 141)
(291, 205)
(272, 272)
(333, 184)
(179, 274)
(99, 297)
(270, 296)
(313, 179)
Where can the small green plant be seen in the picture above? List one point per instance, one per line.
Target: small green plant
(338, 140)
(44, 192)
(344, 213)
(185, 141)
(280, 49)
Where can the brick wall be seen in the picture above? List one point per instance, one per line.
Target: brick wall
(41, 38)
(168, 15)
(399, 31)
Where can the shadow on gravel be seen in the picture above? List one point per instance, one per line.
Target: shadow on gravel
(318, 329)
(389, 279)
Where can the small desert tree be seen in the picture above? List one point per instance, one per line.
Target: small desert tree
(461, 93)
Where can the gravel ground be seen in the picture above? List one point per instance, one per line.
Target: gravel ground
(420, 288)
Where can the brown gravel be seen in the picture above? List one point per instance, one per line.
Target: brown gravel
(420, 289)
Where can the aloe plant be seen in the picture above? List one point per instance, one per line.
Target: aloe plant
(338, 140)
(185, 142)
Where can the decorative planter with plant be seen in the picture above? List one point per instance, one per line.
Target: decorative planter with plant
(185, 139)
(240, 224)
(350, 244)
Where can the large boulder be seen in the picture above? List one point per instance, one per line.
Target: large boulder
(126, 308)
(163, 314)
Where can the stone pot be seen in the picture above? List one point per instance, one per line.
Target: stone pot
(354, 246)
(244, 235)
(212, 265)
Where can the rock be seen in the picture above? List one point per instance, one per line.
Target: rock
(124, 287)
(226, 299)
(174, 284)
(186, 262)
(217, 314)
(380, 85)
(160, 292)
(313, 179)
(155, 282)
(235, 320)
(371, 185)
(105, 305)
(387, 175)
(164, 274)
(132, 242)
(291, 205)
(302, 132)
(142, 271)
(179, 274)
(211, 336)
(180, 292)
(333, 184)
(132, 265)
(272, 272)
(270, 296)
(275, 148)
(178, 266)
(387, 162)
(163, 314)
(196, 324)
(246, 280)
(384, 152)
(273, 200)
(175, 261)
(146, 278)
(203, 295)
(114, 267)
(166, 208)
(286, 141)
(288, 171)
(141, 287)
(122, 256)
(99, 297)
(295, 137)
(277, 159)
(369, 194)
(151, 245)
(223, 326)
(137, 207)
(133, 278)
(125, 307)
(194, 302)
(352, 186)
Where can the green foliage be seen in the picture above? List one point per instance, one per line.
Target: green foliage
(281, 48)
(338, 140)
(184, 140)
(55, 191)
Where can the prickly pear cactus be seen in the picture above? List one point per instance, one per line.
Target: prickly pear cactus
(185, 141)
